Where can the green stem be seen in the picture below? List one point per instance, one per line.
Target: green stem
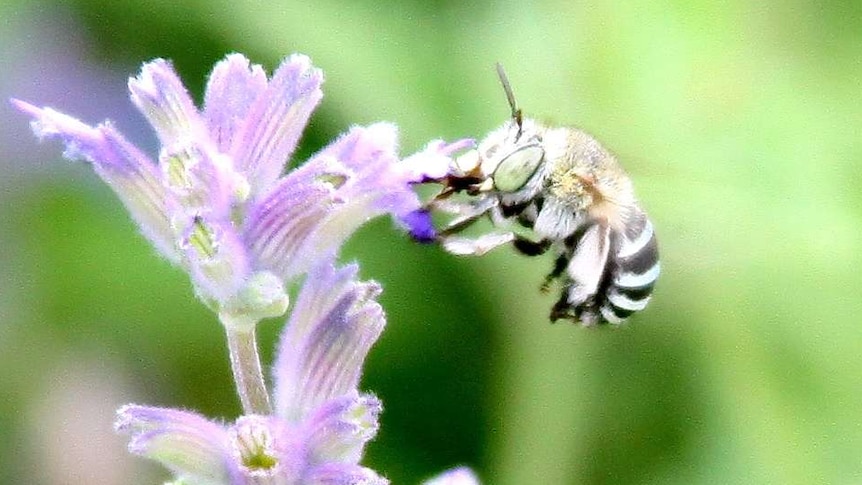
(245, 364)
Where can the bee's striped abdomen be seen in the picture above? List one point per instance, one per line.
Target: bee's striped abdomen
(632, 272)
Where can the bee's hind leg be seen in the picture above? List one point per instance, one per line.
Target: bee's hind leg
(561, 309)
(560, 266)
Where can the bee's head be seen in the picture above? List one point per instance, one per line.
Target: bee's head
(509, 156)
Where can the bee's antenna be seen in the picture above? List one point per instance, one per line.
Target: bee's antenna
(516, 112)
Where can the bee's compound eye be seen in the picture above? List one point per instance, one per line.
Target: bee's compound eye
(516, 168)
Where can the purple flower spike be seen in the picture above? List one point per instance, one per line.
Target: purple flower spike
(322, 422)
(213, 201)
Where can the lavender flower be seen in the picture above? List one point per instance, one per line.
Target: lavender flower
(321, 423)
(216, 203)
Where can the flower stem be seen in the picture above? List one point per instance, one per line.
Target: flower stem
(245, 364)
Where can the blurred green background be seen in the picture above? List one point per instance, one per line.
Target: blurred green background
(739, 122)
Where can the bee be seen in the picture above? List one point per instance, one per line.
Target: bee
(572, 196)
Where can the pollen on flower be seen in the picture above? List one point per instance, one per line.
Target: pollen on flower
(252, 443)
(177, 168)
(202, 238)
(336, 180)
(363, 415)
(241, 187)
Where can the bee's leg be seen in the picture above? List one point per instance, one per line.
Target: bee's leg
(448, 206)
(467, 213)
(460, 207)
(560, 266)
(460, 224)
(534, 248)
(561, 309)
(463, 246)
(529, 247)
(586, 313)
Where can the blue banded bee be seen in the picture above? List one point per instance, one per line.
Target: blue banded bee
(571, 194)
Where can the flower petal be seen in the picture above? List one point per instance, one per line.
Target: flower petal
(128, 171)
(280, 224)
(434, 161)
(161, 97)
(377, 185)
(334, 324)
(381, 183)
(432, 164)
(457, 476)
(339, 429)
(276, 120)
(232, 88)
(343, 474)
(187, 443)
(316, 207)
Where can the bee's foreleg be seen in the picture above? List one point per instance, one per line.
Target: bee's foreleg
(463, 246)
(460, 224)
(460, 207)
(467, 214)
